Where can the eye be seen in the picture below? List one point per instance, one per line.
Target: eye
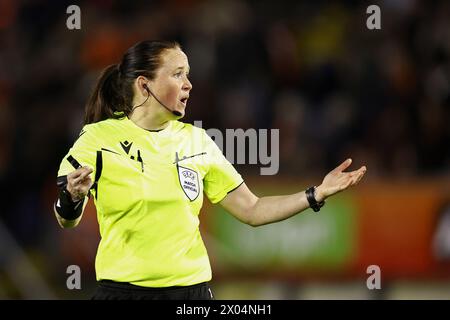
(178, 74)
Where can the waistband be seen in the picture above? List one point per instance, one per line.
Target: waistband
(132, 287)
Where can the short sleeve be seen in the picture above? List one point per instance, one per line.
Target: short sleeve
(83, 151)
(221, 177)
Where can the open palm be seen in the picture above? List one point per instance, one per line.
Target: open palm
(338, 180)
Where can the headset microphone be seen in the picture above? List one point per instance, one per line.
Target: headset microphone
(174, 112)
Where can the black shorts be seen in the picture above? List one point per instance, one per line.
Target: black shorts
(110, 290)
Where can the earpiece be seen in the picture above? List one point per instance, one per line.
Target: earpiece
(176, 113)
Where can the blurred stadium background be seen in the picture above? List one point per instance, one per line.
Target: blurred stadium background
(310, 68)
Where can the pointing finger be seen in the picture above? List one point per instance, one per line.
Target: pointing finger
(85, 172)
(75, 174)
(83, 176)
(79, 174)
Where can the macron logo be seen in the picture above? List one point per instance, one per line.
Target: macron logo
(126, 146)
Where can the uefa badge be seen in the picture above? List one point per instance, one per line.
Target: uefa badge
(189, 182)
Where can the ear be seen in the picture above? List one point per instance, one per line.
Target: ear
(139, 85)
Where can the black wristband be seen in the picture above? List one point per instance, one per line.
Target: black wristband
(67, 208)
(310, 196)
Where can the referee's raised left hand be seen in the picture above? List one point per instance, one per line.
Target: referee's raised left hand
(338, 180)
(79, 183)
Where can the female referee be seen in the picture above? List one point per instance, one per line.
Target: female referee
(147, 172)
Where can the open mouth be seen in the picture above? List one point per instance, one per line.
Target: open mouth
(184, 100)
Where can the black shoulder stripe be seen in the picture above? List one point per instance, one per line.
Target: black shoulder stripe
(98, 171)
(73, 162)
(104, 149)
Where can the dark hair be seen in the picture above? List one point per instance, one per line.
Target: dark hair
(112, 96)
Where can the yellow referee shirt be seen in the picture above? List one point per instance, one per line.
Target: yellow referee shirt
(148, 194)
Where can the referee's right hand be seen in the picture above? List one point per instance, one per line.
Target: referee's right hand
(79, 182)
